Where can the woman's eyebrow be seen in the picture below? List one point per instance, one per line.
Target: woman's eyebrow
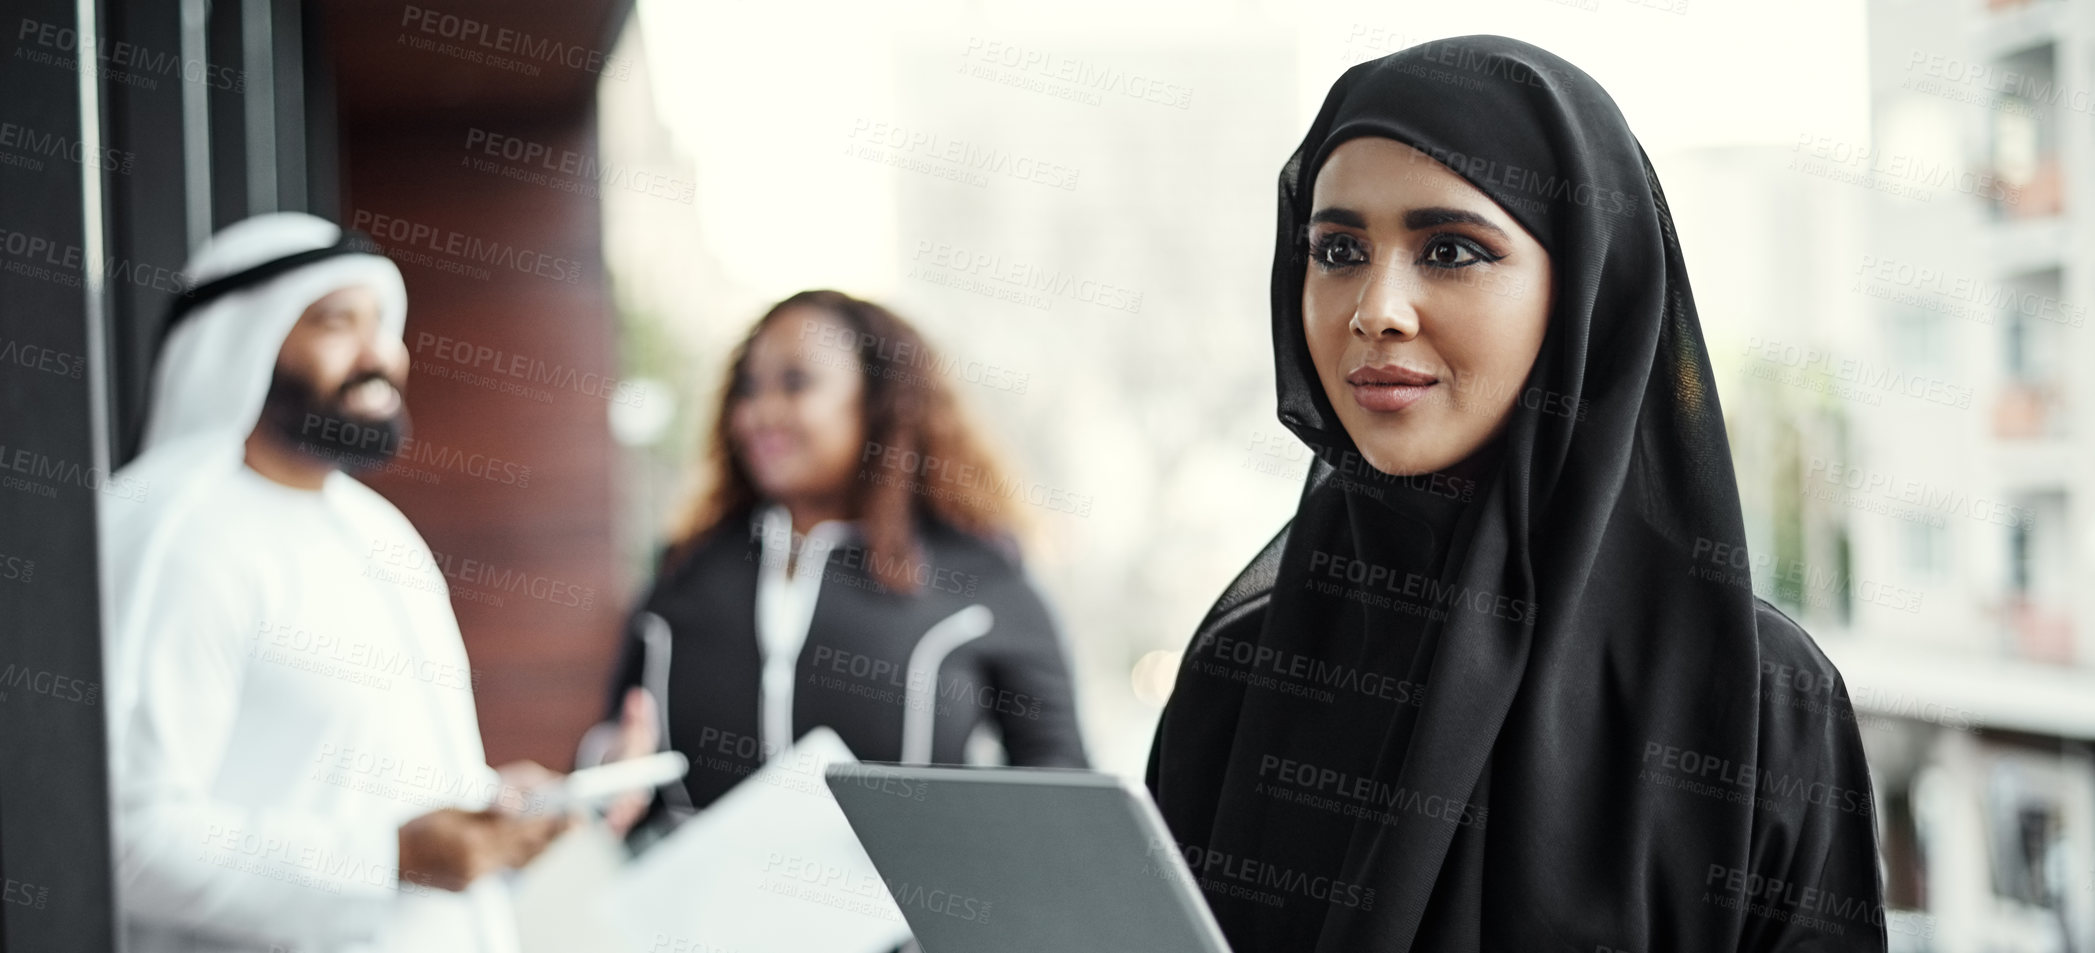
(1339, 216)
(1430, 216)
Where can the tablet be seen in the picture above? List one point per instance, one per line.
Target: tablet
(1025, 860)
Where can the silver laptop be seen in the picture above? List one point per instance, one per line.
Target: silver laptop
(1025, 860)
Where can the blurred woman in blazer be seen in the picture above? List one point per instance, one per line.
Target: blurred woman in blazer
(851, 563)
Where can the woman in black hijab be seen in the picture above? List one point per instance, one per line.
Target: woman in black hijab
(1508, 699)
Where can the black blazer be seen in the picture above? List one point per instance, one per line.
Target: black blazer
(864, 663)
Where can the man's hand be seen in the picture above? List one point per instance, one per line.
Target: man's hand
(522, 807)
(524, 786)
(449, 848)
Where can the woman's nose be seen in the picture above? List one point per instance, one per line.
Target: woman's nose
(1387, 305)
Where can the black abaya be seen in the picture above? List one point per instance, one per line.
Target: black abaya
(1610, 749)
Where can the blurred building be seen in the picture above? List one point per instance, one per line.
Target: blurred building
(1957, 492)
(1894, 317)
(1078, 211)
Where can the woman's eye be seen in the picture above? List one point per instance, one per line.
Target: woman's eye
(1338, 250)
(1449, 251)
(794, 380)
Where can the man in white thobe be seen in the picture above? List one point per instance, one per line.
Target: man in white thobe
(296, 761)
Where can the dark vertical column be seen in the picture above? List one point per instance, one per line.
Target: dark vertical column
(147, 203)
(225, 45)
(55, 888)
(287, 42)
(148, 233)
(321, 150)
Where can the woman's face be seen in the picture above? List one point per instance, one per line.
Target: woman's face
(1424, 305)
(797, 424)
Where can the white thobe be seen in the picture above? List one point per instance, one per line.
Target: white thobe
(300, 692)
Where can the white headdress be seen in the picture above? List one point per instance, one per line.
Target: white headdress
(247, 286)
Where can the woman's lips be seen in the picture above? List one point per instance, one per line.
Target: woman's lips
(1389, 388)
(769, 447)
(1388, 398)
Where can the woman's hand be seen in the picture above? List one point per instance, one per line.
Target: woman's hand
(639, 734)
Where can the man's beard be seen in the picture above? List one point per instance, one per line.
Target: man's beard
(319, 427)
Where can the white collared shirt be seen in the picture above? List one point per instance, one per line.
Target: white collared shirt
(785, 608)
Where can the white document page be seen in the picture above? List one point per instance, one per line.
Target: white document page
(770, 867)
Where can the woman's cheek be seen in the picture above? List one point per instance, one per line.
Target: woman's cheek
(1478, 396)
(836, 426)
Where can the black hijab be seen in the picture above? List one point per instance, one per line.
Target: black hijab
(1612, 751)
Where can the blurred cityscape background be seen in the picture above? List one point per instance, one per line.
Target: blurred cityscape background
(1873, 201)
(1881, 202)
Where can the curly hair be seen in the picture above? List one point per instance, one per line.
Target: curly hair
(909, 414)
